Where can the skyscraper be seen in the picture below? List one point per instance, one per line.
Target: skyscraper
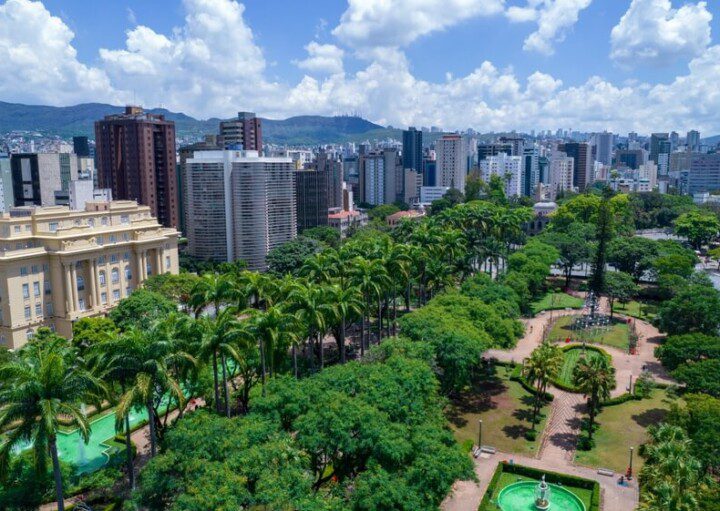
(412, 150)
(334, 166)
(239, 205)
(530, 170)
(604, 142)
(312, 188)
(451, 155)
(581, 153)
(36, 177)
(81, 147)
(561, 172)
(693, 141)
(243, 132)
(704, 175)
(485, 150)
(509, 168)
(660, 149)
(136, 160)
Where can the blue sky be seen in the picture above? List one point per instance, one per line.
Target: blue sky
(489, 64)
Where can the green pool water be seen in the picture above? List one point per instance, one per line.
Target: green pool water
(93, 455)
(521, 497)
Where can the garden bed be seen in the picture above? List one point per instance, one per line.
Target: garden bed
(617, 335)
(556, 301)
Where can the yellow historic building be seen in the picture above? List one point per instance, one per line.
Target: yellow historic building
(58, 265)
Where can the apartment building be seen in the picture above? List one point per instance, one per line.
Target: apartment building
(58, 265)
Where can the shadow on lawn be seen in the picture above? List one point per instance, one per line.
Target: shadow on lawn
(477, 399)
(650, 417)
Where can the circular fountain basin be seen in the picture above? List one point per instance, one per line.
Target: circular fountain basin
(521, 497)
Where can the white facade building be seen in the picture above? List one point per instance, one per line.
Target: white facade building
(428, 194)
(451, 163)
(561, 172)
(509, 168)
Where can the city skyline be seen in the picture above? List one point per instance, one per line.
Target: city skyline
(399, 63)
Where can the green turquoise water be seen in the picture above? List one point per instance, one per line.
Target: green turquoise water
(521, 497)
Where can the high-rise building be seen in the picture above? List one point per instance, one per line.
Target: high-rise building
(312, 188)
(60, 265)
(660, 149)
(373, 179)
(136, 160)
(36, 177)
(327, 162)
(704, 175)
(81, 147)
(583, 168)
(485, 150)
(451, 155)
(530, 170)
(412, 150)
(429, 172)
(604, 142)
(7, 197)
(517, 145)
(509, 168)
(693, 141)
(544, 169)
(239, 205)
(631, 158)
(243, 132)
(562, 170)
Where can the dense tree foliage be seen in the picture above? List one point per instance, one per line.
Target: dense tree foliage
(695, 308)
(289, 257)
(141, 310)
(327, 235)
(698, 227)
(680, 349)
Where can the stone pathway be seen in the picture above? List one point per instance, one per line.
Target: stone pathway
(563, 426)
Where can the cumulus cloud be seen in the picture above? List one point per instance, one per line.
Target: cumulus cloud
(652, 32)
(38, 62)
(397, 23)
(322, 58)
(553, 17)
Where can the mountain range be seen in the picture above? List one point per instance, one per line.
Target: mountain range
(74, 120)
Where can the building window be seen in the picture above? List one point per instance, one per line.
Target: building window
(46, 267)
(126, 237)
(28, 314)
(36, 289)
(23, 271)
(38, 310)
(28, 228)
(113, 238)
(81, 304)
(148, 269)
(167, 262)
(116, 294)
(113, 258)
(104, 221)
(128, 273)
(100, 240)
(16, 228)
(26, 291)
(103, 297)
(115, 276)
(80, 283)
(128, 290)
(91, 222)
(126, 256)
(29, 334)
(101, 260)
(53, 226)
(35, 269)
(49, 309)
(124, 219)
(48, 287)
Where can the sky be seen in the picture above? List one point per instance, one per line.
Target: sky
(493, 65)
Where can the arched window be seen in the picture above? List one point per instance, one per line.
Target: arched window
(103, 280)
(148, 268)
(115, 276)
(29, 334)
(80, 283)
(128, 273)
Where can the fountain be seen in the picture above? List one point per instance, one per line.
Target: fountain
(532, 496)
(542, 495)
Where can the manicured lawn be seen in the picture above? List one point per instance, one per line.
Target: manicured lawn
(636, 310)
(556, 301)
(505, 409)
(507, 478)
(571, 358)
(617, 334)
(621, 427)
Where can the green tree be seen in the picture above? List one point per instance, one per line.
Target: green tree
(176, 288)
(698, 227)
(347, 304)
(43, 382)
(314, 311)
(715, 255)
(327, 235)
(702, 376)
(382, 211)
(603, 236)
(680, 349)
(543, 364)
(140, 310)
(274, 330)
(699, 417)
(632, 254)
(89, 332)
(695, 308)
(475, 188)
(595, 378)
(621, 287)
(290, 256)
(573, 245)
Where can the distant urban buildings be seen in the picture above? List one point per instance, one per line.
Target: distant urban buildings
(136, 159)
(243, 132)
(451, 161)
(704, 175)
(412, 150)
(508, 168)
(312, 187)
(581, 153)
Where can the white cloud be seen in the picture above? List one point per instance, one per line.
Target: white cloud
(38, 62)
(397, 23)
(322, 58)
(651, 31)
(553, 17)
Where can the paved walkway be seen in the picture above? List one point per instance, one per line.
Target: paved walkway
(557, 447)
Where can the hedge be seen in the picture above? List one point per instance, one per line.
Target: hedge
(516, 375)
(623, 398)
(573, 388)
(550, 477)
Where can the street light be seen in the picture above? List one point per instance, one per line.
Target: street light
(629, 470)
(479, 433)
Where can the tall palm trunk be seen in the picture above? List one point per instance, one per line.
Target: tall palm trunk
(128, 448)
(225, 386)
(263, 370)
(394, 319)
(152, 424)
(52, 444)
(294, 355)
(322, 349)
(379, 319)
(407, 297)
(217, 385)
(342, 339)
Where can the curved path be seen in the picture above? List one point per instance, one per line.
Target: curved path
(557, 445)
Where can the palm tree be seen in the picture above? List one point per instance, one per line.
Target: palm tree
(314, 311)
(272, 329)
(364, 275)
(595, 378)
(397, 261)
(255, 286)
(438, 275)
(347, 303)
(544, 363)
(212, 289)
(45, 381)
(222, 337)
(155, 379)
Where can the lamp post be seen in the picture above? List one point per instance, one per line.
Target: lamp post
(629, 471)
(630, 387)
(479, 433)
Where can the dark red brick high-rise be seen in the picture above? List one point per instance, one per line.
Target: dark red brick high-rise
(136, 158)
